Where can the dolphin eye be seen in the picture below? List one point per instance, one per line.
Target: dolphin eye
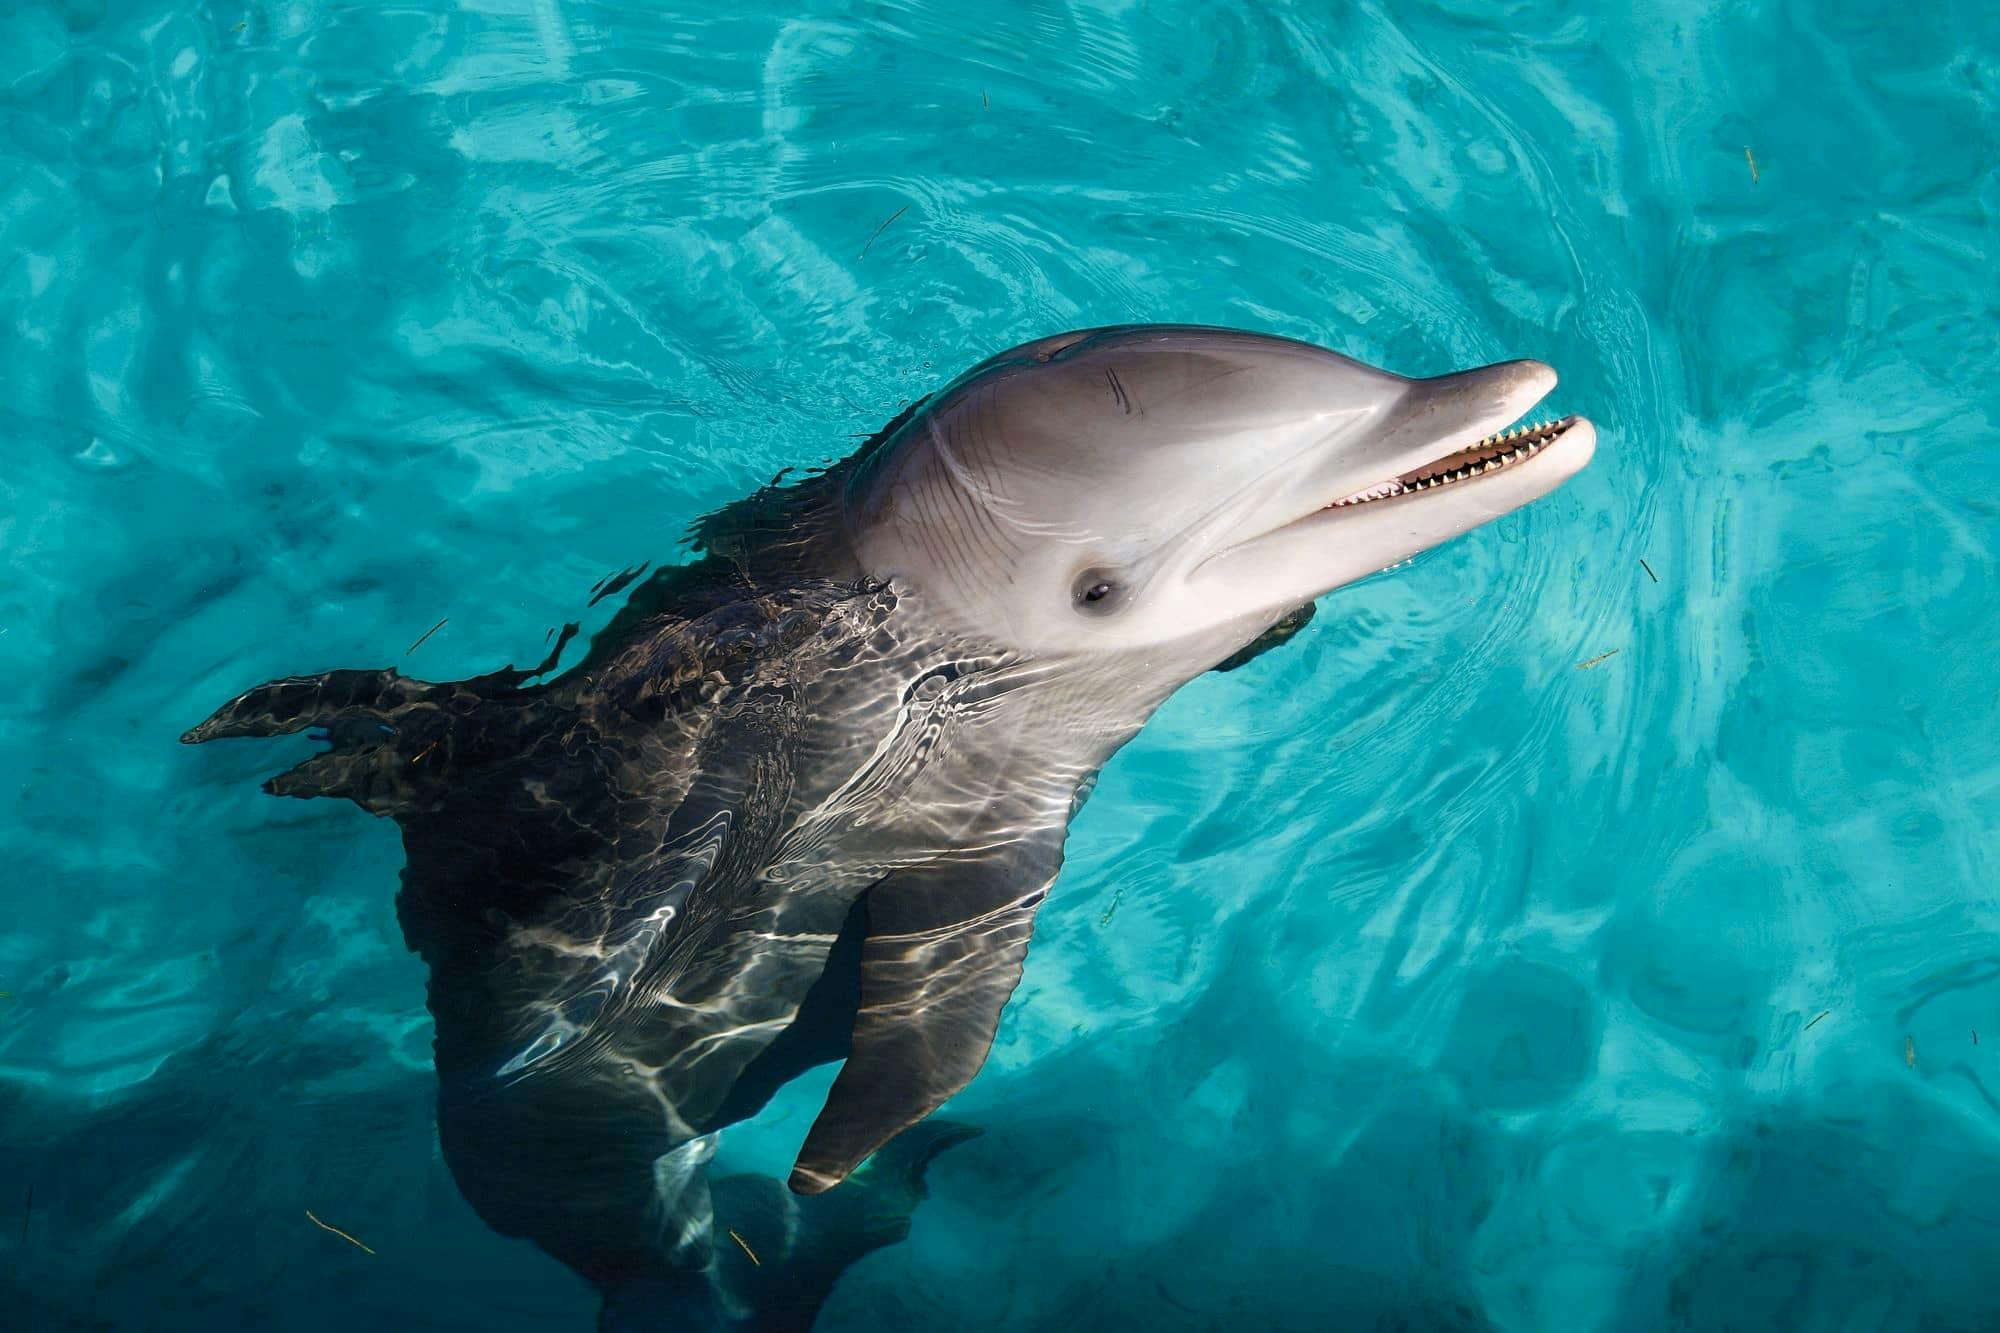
(1097, 591)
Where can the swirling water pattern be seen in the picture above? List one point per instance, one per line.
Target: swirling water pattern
(1412, 977)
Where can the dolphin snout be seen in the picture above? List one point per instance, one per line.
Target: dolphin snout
(1506, 388)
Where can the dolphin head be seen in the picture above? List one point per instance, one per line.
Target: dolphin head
(1170, 491)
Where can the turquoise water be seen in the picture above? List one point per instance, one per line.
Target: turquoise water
(1415, 976)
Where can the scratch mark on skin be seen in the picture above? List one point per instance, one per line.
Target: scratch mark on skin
(1118, 389)
(338, 1232)
(879, 230)
(425, 635)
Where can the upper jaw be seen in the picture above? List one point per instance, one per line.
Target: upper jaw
(1436, 419)
(1425, 441)
(1405, 487)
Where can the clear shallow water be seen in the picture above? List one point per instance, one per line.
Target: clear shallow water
(1410, 976)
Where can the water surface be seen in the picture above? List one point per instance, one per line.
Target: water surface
(1415, 976)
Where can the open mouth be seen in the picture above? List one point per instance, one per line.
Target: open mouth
(1495, 453)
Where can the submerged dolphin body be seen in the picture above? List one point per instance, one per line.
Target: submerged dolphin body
(800, 800)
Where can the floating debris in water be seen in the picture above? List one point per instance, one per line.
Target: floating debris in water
(745, 1246)
(338, 1232)
(1649, 569)
(1601, 657)
(1816, 1018)
(1170, 1298)
(884, 227)
(1116, 898)
(1751, 158)
(1910, 1052)
(425, 635)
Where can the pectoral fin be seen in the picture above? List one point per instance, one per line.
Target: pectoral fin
(944, 952)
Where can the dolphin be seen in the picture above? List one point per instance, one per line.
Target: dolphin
(800, 800)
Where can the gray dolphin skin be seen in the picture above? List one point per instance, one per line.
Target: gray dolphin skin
(800, 800)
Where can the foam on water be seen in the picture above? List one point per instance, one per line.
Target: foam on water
(1412, 973)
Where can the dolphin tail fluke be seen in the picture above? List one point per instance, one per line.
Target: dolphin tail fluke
(777, 1254)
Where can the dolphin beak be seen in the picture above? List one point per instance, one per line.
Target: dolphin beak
(1443, 461)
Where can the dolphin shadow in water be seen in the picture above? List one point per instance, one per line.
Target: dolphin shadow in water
(801, 799)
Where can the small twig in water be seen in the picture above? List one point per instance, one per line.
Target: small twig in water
(1116, 898)
(982, 100)
(1649, 569)
(338, 1232)
(1816, 1018)
(1170, 1299)
(1601, 657)
(884, 227)
(745, 1245)
(1751, 158)
(1910, 1052)
(426, 634)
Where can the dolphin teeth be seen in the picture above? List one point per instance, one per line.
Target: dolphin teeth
(1491, 454)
